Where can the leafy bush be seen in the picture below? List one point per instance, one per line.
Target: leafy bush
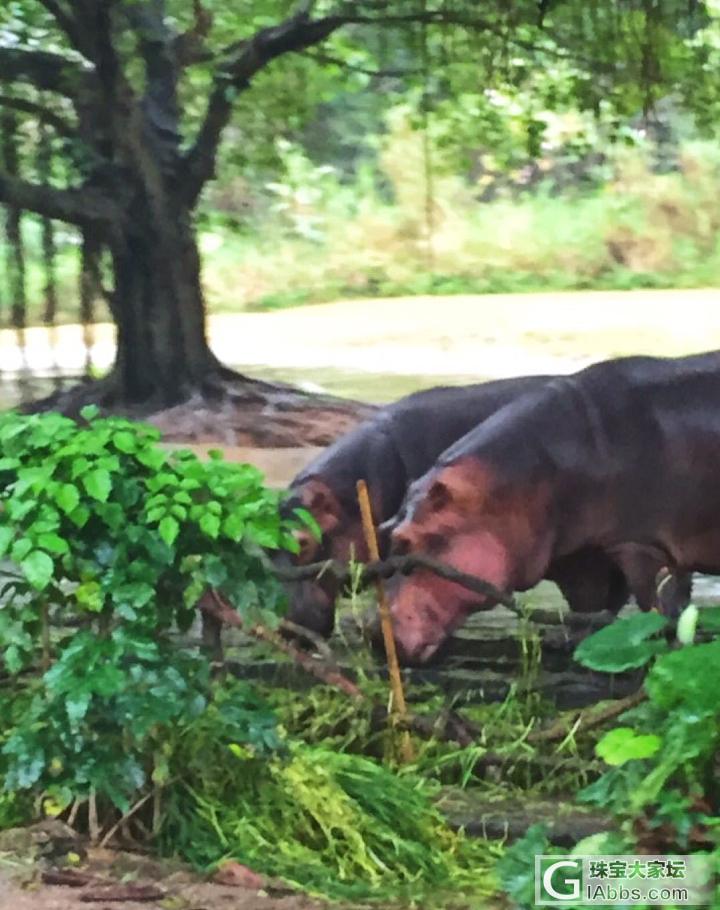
(109, 543)
(662, 781)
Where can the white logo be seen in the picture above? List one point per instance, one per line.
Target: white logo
(573, 864)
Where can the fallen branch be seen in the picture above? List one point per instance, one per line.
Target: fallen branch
(120, 893)
(560, 729)
(213, 605)
(394, 565)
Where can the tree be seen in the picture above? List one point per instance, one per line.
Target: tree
(111, 77)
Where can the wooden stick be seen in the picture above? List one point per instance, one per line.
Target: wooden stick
(399, 708)
(560, 729)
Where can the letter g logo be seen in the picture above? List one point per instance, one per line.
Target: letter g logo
(568, 881)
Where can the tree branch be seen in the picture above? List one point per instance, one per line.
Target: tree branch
(59, 124)
(71, 27)
(242, 61)
(391, 566)
(352, 68)
(44, 70)
(85, 206)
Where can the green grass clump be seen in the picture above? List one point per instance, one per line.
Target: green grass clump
(333, 824)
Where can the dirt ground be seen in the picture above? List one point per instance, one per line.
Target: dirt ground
(22, 887)
(191, 896)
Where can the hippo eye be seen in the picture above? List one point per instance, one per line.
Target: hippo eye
(439, 496)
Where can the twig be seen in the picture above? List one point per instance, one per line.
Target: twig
(559, 729)
(130, 892)
(215, 606)
(121, 821)
(399, 708)
(318, 642)
(93, 826)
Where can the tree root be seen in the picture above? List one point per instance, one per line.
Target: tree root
(225, 405)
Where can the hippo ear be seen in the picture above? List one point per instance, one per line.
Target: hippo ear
(439, 496)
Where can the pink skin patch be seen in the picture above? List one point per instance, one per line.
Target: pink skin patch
(427, 609)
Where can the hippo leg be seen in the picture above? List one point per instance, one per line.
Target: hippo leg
(590, 581)
(674, 591)
(642, 565)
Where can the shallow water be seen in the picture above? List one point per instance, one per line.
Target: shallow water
(358, 384)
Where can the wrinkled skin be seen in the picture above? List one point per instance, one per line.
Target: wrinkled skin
(618, 462)
(390, 451)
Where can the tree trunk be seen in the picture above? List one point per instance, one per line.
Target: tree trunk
(163, 355)
(164, 369)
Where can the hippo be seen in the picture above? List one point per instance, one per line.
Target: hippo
(392, 449)
(621, 458)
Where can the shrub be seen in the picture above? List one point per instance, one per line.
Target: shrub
(109, 542)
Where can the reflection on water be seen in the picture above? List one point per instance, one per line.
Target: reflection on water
(374, 387)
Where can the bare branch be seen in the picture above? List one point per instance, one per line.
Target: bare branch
(84, 206)
(70, 26)
(44, 70)
(352, 68)
(190, 46)
(244, 60)
(394, 565)
(51, 118)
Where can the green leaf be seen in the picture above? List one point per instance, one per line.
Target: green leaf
(67, 497)
(624, 645)
(623, 744)
(38, 568)
(169, 529)
(79, 517)
(13, 659)
(53, 543)
(124, 441)
(233, 526)
(309, 520)
(6, 536)
(20, 549)
(89, 595)
(687, 678)
(89, 412)
(210, 525)
(98, 484)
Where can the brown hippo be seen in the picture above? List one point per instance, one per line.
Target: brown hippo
(396, 446)
(621, 458)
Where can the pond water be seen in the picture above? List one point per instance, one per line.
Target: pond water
(359, 384)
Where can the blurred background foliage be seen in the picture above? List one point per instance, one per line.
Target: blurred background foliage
(415, 160)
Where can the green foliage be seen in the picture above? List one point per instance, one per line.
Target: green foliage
(629, 227)
(663, 764)
(106, 534)
(625, 645)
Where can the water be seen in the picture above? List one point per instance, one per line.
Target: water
(360, 385)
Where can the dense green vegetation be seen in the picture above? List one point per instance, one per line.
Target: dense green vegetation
(110, 713)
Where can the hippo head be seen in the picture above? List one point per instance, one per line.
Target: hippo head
(312, 602)
(457, 515)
